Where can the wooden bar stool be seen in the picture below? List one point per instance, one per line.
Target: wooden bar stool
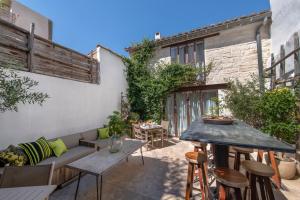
(238, 152)
(229, 178)
(261, 173)
(200, 146)
(197, 159)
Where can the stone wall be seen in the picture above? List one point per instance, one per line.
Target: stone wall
(233, 53)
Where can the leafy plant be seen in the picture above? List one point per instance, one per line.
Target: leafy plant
(217, 108)
(243, 100)
(15, 89)
(116, 124)
(148, 87)
(273, 111)
(278, 109)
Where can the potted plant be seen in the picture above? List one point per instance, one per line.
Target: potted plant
(116, 127)
(215, 116)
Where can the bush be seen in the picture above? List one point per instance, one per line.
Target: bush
(243, 100)
(278, 110)
(273, 112)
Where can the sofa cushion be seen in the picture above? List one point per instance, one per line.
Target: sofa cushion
(89, 135)
(47, 151)
(71, 140)
(103, 133)
(70, 156)
(33, 151)
(58, 147)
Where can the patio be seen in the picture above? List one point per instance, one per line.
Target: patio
(162, 177)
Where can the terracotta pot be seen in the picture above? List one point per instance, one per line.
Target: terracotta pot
(217, 121)
(287, 168)
(298, 168)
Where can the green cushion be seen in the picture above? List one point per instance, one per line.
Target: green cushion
(47, 151)
(103, 133)
(58, 147)
(34, 152)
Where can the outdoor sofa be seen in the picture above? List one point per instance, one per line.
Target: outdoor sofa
(78, 146)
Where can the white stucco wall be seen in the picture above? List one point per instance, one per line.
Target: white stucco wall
(73, 106)
(25, 17)
(285, 17)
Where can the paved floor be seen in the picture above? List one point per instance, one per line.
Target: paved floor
(162, 177)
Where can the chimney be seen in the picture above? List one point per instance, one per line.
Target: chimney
(157, 36)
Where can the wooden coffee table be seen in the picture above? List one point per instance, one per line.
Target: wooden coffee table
(99, 162)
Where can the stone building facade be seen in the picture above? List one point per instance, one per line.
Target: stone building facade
(233, 47)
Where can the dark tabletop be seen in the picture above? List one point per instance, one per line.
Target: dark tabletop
(238, 134)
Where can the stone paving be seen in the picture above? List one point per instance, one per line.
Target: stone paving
(162, 177)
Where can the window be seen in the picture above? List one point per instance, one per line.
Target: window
(208, 103)
(200, 54)
(181, 55)
(191, 50)
(173, 54)
(190, 53)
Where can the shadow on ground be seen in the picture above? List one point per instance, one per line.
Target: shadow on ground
(162, 177)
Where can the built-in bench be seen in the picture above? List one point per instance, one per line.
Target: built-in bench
(79, 145)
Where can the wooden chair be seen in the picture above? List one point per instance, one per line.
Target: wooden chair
(238, 152)
(139, 134)
(197, 159)
(27, 176)
(229, 178)
(261, 173)
(165, 131)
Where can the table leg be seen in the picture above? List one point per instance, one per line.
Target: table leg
(162, 138)
(276, 177)
(101, 187)
(99, 195)
(142, 155)
(77, 185)
(147, 140)
(221, 155)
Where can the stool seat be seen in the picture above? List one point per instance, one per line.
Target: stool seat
(242, 150)
(195, 157)
(230, 178)
(258, 168)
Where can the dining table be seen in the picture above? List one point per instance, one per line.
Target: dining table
(237, 134)
(151, 130)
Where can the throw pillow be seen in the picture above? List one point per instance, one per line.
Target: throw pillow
(47, 151)
(34, 152)
(58, 147)
(103, 133)
(12, 156)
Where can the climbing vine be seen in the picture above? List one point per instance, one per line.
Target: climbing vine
(149, 85)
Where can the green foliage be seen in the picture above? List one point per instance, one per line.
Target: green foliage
(149, 86)
(273, 112)
(278, 109)
(15, 89)
(243, 100)
(137, 72)
(217, 108)
(116, 124)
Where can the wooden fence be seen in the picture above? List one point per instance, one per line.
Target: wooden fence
(285, 69)
(23, 50)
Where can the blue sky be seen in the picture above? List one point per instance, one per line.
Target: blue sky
(116, 24)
